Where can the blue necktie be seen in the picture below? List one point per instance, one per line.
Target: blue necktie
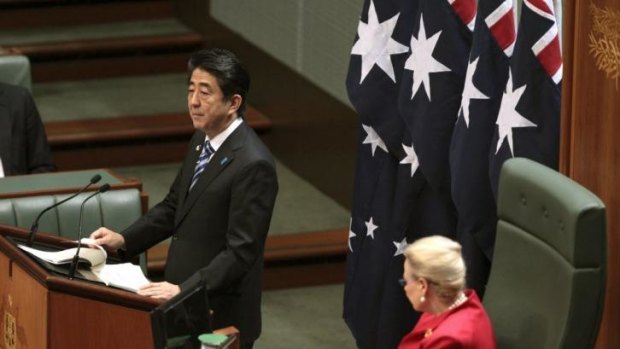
(201, 164)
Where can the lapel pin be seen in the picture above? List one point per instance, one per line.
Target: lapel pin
(223, 161)
(197, 148)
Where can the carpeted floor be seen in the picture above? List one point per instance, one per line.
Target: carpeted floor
(108, 98)
(304, 318)
(92, 31)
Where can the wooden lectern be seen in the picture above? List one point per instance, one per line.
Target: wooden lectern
(41, 309)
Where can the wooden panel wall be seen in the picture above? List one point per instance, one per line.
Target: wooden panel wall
(590, 149)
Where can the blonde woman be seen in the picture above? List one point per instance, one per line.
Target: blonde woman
(434, 282)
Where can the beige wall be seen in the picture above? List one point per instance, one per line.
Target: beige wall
(313, 37)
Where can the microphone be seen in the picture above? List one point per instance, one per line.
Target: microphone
(76, 258)
(35, 225)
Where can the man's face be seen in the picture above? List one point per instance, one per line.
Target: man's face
(208, 108)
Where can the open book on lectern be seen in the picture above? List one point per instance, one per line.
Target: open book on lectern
(92, 265)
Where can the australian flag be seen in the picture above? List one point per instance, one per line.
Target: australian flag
(394, 202)
(430, 95)
(375, 307)
(528, 122)
(426, 78)
(487, 74)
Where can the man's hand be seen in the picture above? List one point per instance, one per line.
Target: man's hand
(161, 290)
(108, 238)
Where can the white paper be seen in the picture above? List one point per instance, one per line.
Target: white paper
(126, 276)
(94, 256)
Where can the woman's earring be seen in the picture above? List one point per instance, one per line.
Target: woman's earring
(422, 299)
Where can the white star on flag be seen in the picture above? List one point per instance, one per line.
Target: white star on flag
(509, 117)
(400, 246)
(373, 139)
(411, 158)
(422, 62)
(370, 228)
(351, 233)
(470, 91)
(375, 44)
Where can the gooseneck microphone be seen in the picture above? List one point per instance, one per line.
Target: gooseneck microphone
(76, 258)
(35, 225)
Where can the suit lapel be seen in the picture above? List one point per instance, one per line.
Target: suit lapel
(223, 157)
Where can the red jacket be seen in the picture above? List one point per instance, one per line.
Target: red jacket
(466, 326)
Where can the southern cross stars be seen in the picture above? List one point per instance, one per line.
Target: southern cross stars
(400, 246)
(351, 233)
(375, 44)
(411, 158)
(373, 139)
(470, 91)
(370, 228)
(422, 62)
(509, 117)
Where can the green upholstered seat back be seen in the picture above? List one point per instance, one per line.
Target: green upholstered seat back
(547, 282)
(115, 209)
(15, 70)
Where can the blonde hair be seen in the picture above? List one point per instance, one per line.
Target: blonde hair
(438, 260)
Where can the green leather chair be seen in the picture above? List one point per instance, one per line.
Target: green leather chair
(547, 282)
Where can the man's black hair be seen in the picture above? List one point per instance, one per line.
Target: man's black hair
(231, 74)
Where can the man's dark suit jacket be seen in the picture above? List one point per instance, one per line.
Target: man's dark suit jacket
(218, 229)
(23, 143)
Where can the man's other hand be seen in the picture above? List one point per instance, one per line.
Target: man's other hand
(108, 238)
(160, 290)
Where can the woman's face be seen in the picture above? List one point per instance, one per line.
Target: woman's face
(414, 289)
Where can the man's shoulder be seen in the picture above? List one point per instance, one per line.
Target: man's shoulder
(249, 143)
(13, 91)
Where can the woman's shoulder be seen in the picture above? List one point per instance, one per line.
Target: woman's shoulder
(470, 313)
(468, 325)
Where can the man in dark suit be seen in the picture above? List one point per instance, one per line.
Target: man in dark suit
(219, 207)
(23, 143)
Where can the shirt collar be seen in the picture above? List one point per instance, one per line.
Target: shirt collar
(218, 140)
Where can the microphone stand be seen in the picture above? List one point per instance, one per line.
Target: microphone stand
(76, 257)
(35, 225)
